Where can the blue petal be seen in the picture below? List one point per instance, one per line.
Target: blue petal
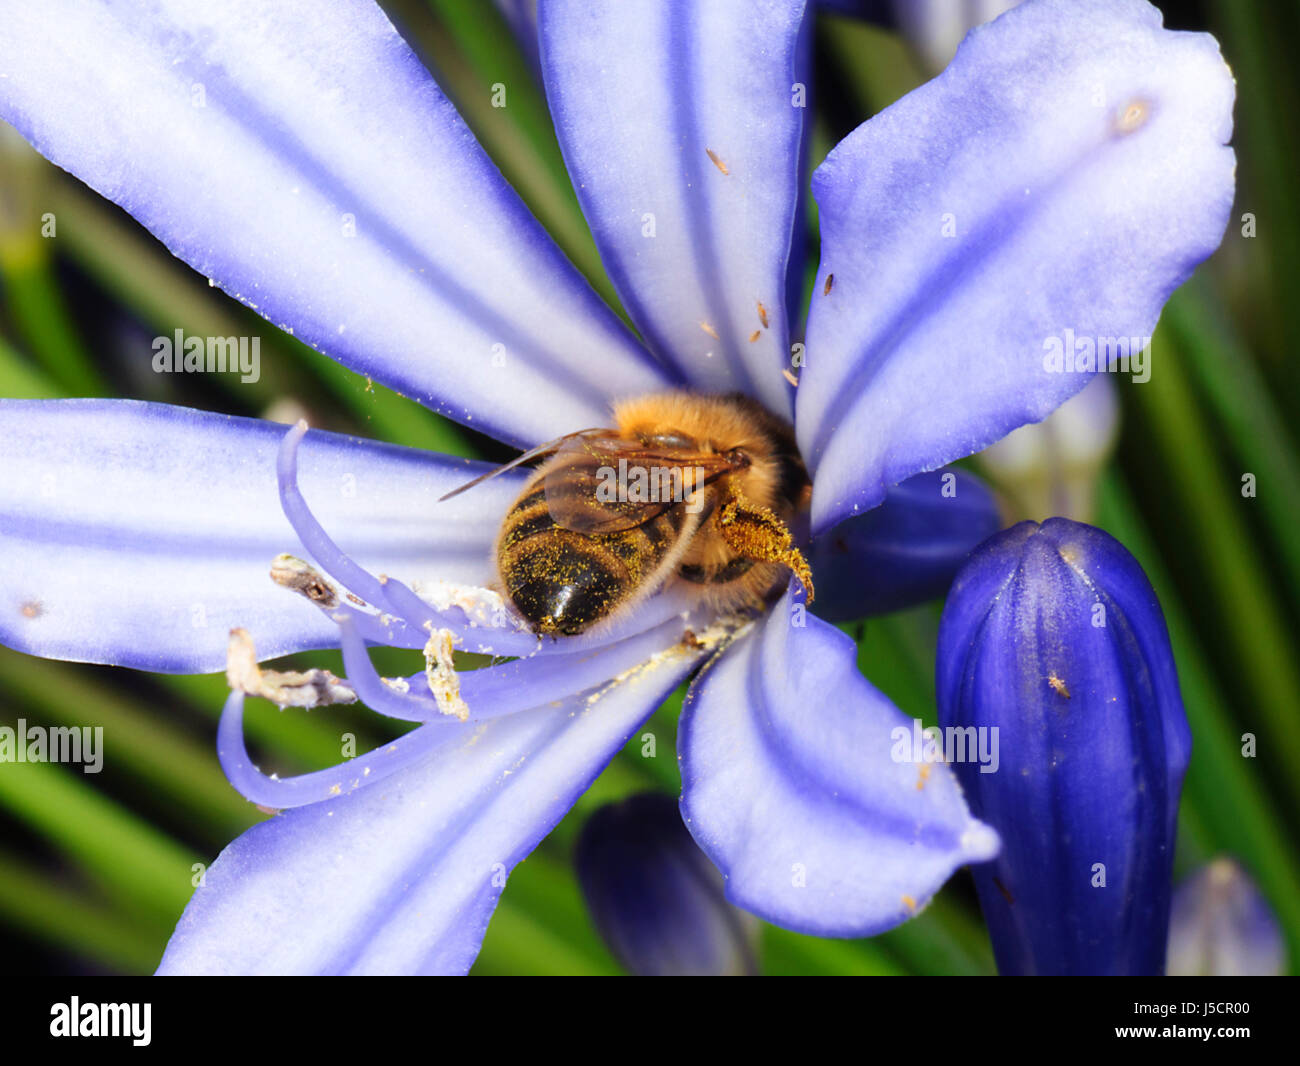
(301, 157)
(402, 877)
(790, 786)
(680, 125)
(140, 534)
(1076, 151)
(905, 551)
(653, 896)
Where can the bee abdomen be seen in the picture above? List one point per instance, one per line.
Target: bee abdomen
(563, 581)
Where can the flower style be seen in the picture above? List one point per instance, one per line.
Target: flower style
(1069, 169)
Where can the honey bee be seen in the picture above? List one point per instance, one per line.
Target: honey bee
(699, 490)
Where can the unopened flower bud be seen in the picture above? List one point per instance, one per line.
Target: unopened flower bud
(655, 898)
(1221, 926)
(1052, 467)
(1053, 636)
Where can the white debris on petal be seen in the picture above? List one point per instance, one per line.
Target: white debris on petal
(289, 688)
(397, 684)
(440, 671)
(717, 635)
(482, 606)
(303, 578)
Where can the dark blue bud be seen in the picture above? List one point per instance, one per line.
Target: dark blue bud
(1221, 926)
(654, 897)
(905, 551)
(1053, 636)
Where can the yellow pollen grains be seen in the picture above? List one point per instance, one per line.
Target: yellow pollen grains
(1058, 686)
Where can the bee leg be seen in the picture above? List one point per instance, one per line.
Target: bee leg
(756, 533)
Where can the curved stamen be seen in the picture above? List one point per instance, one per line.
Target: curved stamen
(300, 577)
(526, 683)
(375, 693)
(495, 691)
(497, 640)
(484, 639)
(314, 538)
(387, 595)
(302, 789)
(385, 629)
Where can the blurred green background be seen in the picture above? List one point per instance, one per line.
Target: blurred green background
(95, 870)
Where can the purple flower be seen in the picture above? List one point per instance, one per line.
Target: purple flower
(1052, 645)
(653, 896)
(933, 28)
(1068, 170)
(1220, 925)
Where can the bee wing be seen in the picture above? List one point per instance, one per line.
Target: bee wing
(611, 485)
(533, 453)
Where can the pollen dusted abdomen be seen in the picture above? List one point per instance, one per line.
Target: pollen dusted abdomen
(707, 487)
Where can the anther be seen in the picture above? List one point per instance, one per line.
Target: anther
(288, 688)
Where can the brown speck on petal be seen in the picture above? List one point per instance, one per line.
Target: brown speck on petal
(710, 331)
(830, 280)
(1132, 117)
(788, 374)
(762, 314)
(754, 336)
(717, 162)
(32, 609)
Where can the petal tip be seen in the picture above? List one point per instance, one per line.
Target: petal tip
(980, 843)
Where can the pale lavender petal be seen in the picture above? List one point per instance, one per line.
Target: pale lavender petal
(141, 534)
(402, 877)
(1053, 186)
(791, 786)
(300, 156)
(680, 123)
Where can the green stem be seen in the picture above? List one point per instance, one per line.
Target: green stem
(182, 772)
(139, 865)
(32, 901)
(1228, 380)
(19, 380)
